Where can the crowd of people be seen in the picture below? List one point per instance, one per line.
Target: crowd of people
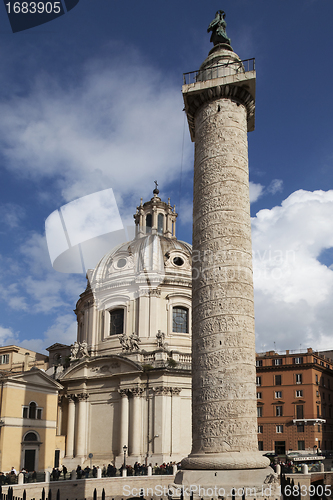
(109, 470)
(11, 476)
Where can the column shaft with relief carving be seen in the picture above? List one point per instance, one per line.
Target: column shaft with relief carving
(224, 421)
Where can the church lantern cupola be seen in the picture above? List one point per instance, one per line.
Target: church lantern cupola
(155, 217)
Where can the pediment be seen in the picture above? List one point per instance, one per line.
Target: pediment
(36, 378)
(102, 366)
(57, 346)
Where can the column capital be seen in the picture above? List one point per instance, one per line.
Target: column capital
(123, 392)
(162, 390)
(71, 397)
(136, 391)
(83, 396)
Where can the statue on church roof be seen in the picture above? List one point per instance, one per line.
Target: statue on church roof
(218, 29)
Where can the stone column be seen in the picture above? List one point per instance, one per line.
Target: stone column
(70, 426)
(59, 417)
(123, 435)
(224, 418)
(81, 426)
(136, 422)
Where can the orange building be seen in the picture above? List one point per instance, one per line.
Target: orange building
(294, 401)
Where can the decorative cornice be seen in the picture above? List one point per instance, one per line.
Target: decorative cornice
(233, 92)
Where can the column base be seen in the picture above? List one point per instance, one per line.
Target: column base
(254, 483)
(226, 461)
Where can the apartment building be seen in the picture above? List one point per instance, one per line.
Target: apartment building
(294, 401)
(17, 359)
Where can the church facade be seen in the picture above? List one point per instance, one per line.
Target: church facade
(128, 387)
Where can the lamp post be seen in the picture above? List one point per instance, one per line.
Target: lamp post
(124, 450)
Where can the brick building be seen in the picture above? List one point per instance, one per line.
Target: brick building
(294, 401)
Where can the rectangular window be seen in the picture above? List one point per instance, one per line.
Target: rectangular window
(25, 412)
(260, 445)
(180, 320)
(300, 428)
(259, 411)
(298, 361)
(117, 322)
(301, 445)
(279, 429)
(317, 394)
(279, 411)
(299, 411)
(39, 413)
(259, 362)
(278, 361)
(260, 429)
(318, 412)
(258, 381)
(258, 395)
(4, 359)
(298, 378)
(299, 394)
(278, 380)
(317, 379)
(278, 394)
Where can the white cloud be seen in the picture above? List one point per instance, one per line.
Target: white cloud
(293, 290)
(7, 336)
(11, 214)
(276, 186)
(116, 128)
(256, 190)
(63, 330)
(32, 285)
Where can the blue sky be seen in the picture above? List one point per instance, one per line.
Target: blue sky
(92, 100)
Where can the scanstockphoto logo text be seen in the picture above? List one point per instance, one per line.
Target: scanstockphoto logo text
(213, 491)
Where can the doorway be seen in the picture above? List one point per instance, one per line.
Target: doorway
(29, 460)
(280, 447)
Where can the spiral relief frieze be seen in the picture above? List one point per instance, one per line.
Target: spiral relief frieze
(224, 393)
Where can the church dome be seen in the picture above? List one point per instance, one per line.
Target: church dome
(155, 257)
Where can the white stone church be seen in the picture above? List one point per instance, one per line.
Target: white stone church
(128, 387)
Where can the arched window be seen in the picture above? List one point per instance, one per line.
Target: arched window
(32, 411)
(180, 320)
(149, 223)
(160, 221)
(117, 322)
(31, 436)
